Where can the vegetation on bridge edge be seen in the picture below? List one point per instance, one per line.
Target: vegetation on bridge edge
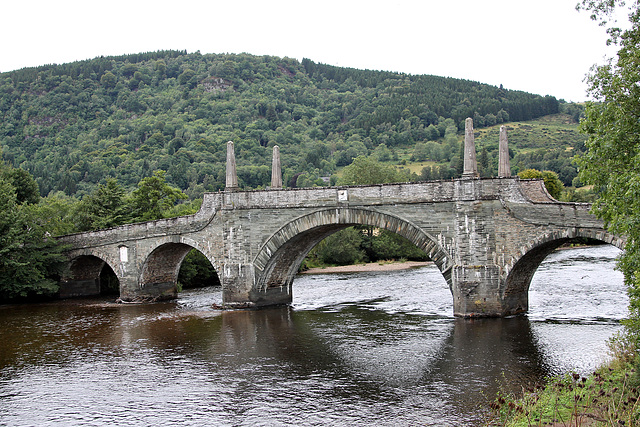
(611, 163)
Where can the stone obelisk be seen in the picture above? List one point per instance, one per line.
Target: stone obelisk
(232, 176)
(470, 164)
(276, 172)
(504, 168)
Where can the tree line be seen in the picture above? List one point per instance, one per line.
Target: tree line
(74, 125)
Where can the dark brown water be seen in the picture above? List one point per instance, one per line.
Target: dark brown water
(360, 349)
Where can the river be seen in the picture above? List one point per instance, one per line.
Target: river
(353, 349)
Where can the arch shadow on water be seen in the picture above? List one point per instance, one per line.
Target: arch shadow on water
(369, 359)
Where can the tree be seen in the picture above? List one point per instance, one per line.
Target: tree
(104, 208)
(368, 171)
(341, 248)
(382, 153)
(25, 186)
(387, 245)
(551, 181)
(483, 162)
(611, 162)
(153, 197)
(108, 80)
(196, 271)
(57, 213)
(29, 258)
(186, 77)
(432, 133)
(420, 152)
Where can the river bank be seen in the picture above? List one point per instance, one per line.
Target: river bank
(372, 266)
(607, 397)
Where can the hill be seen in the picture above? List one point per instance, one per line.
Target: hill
(73, 125)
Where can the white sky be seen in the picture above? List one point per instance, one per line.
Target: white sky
(543, 47)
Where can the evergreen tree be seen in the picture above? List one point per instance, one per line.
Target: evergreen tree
(104, 208)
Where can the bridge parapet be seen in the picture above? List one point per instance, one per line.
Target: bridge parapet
(380, 194)
(211, 204)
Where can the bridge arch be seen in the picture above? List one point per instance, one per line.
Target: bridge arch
(279, 258)
(520, 270)
(84, 275)
(161, 266)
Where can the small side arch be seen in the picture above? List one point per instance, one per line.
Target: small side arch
(83, 278)
(279, 258)
(520, 270)
(159, 272)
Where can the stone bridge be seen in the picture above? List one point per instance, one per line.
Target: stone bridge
(486, 236)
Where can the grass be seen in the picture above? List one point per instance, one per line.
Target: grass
(416, 167)
(608, 397)
(552, 131)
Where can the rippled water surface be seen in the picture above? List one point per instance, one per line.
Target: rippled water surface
(354, 349)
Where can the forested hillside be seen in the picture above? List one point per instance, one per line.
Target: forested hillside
(72, 126)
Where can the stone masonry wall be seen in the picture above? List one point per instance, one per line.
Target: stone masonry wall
(476, 229)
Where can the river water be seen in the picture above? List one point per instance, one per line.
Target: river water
(353, 349)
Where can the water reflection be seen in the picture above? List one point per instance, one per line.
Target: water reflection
(377, 349)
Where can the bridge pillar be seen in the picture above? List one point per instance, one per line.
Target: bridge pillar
(238, 290)
(476, 292)
(131, 291)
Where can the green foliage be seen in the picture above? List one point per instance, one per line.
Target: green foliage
(341, 248)
(607, 397)
(611, 162)
(382, 153)
(382, 245)
(105, 207)
(24, 185)
(579, 195)
(187, 208)
(551, 181)
(196, 271)
(153, 197)
(74, 125)
(368, 171)
(29, 258)
(57, 213)
(363, 244)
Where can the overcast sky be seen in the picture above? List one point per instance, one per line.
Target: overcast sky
(543, 47)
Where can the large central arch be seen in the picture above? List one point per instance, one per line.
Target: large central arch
(279, 258)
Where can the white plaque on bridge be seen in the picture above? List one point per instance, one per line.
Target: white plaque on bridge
(343, 196)
(124, 254)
